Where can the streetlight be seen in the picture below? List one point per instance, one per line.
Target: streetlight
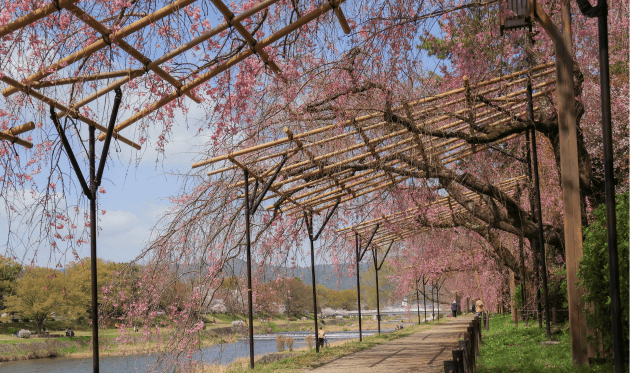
(522, 17)
(601, 12)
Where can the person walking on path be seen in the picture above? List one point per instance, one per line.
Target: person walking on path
(454, 308)
(479, 308)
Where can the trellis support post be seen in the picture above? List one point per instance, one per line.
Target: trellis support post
(541, 242)
(248, 244)
(90, 192)
(308, 219)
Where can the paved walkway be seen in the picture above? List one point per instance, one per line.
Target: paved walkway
(421, 352)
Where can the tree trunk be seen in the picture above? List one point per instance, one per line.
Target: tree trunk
(40, 325)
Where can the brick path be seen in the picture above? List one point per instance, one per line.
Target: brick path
(424, 351)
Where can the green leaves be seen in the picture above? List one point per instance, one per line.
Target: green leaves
(594, 273)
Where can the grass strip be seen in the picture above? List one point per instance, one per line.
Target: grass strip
(507, 348)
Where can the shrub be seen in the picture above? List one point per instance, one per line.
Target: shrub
(310, 341)
(594, 272)
(289, 342)
(280, 341)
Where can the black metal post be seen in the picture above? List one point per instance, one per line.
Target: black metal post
(309, 226)
(424, 297)
(611, 217)
(521, 248)
(357, 246)
(250, 300)
(541, 242)
(90, 192)
(438, 301)
(601, 12)
(418, 298)
(93, 261)
(378, 306)
(456, 304)
(432, 304)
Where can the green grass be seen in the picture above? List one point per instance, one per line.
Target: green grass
(506, 348)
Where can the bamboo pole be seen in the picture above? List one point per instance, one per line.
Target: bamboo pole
(15, 140)
(34, 16)
(14, 131)
(100, 44)
(85, 78)
(61, 107)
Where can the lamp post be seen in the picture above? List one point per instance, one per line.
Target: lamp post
(601, 12)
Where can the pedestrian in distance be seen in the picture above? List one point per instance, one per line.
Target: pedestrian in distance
(479, 307)
(321, 335)
(454, 308)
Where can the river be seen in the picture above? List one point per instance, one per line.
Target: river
(217, 354)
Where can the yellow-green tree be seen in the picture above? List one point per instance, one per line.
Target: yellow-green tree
(41, 291)
(9, 272)
(80, 279)
(387, 287)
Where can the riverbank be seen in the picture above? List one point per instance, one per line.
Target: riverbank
(16, 349)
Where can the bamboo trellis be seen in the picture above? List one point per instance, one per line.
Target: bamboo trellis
(365, 155)
(106, 37)
(404, 224)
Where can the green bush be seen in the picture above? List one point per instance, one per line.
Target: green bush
(594, 273)
(518, 296)
(272, 325)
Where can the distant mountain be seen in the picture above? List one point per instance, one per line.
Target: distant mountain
(325, 274)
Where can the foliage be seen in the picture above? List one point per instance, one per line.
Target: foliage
(41, 291)
(518, 296)
(386, 284)
(337, 299)
(9, 272)
(594, 272)
(79, 276)
(507, 348)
